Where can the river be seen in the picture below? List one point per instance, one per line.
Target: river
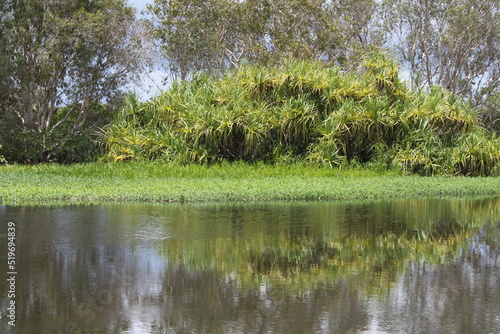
(379, 266)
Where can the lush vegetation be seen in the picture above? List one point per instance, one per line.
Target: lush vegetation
(452, 43)
(146, 181)
(63, 65)
(311, 113)
(65, 68)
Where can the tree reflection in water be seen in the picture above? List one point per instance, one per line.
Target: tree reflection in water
(413, 266)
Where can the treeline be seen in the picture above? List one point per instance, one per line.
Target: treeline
(452, 43)
(65, 66)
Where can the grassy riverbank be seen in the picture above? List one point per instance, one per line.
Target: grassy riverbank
(227, 182)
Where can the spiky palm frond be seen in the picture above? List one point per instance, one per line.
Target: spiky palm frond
(309, 111)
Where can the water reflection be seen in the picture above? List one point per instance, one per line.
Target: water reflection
(412, 266)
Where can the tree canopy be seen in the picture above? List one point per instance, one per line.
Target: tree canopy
(60, 60)
(215, 35)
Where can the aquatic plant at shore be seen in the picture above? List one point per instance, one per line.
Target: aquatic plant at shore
(308, 112)
(159, 182)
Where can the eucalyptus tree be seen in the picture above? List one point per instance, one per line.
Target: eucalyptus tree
(453, 43)
(210, 36)
(188, 33)
(213, 35)
(60, 59)
(300, 29)
(357, 27)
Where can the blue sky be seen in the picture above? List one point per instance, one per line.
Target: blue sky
(139, 4)
(152, 82)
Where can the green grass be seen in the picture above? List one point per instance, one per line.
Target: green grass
(90, 183)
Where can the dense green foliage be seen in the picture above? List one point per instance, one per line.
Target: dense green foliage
(213, 35)
(146, 181)
(63, 66)
(307, 112)
(452, 43)
(59, 62)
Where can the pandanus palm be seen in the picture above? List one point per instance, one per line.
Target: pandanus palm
(313, 112)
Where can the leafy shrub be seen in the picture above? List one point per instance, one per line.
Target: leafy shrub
(311, 112)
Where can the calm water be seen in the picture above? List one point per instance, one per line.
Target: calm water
(405, 266)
